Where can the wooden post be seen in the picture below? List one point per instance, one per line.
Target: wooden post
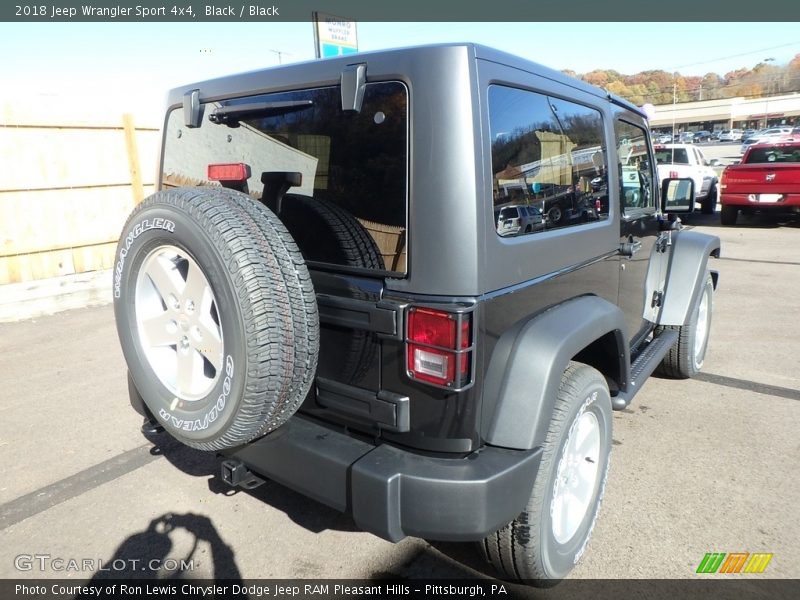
(133, 158)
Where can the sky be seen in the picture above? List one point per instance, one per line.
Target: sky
(136, 63)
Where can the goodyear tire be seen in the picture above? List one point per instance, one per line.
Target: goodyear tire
(543, 544)
(216, 316)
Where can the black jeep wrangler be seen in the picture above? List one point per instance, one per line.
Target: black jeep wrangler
(320, 291)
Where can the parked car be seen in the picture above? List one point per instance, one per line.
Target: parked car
(662, 138)
(767, 180)
(685, 137)
(765, 135)
(731, 135)
(701, 136)
(518, 219)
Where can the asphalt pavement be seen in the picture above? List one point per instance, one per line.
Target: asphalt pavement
(698, 466)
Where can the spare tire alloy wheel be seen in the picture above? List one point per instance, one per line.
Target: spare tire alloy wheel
(543, 544)
(216, 316)
(182, 344)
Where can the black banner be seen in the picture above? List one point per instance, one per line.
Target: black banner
(713, 588)
(149, 11)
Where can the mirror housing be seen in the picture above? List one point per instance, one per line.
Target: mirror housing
(677, 195)
(714, 162)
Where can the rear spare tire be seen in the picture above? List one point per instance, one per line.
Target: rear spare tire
(216, 316)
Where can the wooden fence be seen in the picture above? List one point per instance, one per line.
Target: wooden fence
(67, 184)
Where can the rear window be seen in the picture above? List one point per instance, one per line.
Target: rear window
(775, 154)
(676, 156)
(352, 165)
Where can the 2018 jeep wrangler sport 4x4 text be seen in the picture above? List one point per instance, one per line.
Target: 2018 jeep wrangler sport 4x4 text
(319, 291)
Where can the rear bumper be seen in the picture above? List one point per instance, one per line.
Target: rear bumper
(394, 493)
(790, 202)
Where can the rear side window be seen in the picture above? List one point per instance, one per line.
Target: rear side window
(547, 154)
(351, 166)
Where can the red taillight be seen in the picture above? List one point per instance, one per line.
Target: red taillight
(228, 172)
(438, 342)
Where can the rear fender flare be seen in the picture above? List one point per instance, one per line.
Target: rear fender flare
(528, 362)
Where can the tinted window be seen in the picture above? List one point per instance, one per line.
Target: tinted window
(773, 154)
(675, 156)
(635, 171)
(352, 164)
(547, 154)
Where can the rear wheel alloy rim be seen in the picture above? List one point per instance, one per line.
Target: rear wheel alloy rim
(701, 332)
(178, 323)
(576, 478)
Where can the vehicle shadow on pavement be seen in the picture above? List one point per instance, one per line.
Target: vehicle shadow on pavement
(303, 511)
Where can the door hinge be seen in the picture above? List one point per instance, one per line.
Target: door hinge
(658, 298)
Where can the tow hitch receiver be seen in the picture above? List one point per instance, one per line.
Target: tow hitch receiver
(235, 473)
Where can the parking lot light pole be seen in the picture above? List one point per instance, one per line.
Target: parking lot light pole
(766, 98)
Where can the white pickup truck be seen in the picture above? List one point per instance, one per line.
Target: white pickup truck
(684, 160)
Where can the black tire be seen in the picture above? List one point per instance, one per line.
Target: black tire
(709, 205)
(236, 291)
(327, 233)
(527, 548)
(685, 358)
(555, 215)
(729, 215)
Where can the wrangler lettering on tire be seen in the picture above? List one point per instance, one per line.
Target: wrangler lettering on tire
(216, 316)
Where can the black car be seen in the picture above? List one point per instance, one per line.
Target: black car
(701, 136)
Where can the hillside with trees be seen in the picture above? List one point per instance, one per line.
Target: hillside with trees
(658, 87)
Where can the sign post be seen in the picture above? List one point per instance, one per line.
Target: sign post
(334, 36)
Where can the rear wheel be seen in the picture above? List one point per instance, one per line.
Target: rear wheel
(543, 544)
(554, 215)
(729, 215)
(709, 205)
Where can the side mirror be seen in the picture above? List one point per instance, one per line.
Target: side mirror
(677, 195)
(714, 162)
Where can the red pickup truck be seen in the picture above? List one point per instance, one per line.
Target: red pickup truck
(767, 180)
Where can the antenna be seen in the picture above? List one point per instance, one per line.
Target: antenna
(280, 54)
